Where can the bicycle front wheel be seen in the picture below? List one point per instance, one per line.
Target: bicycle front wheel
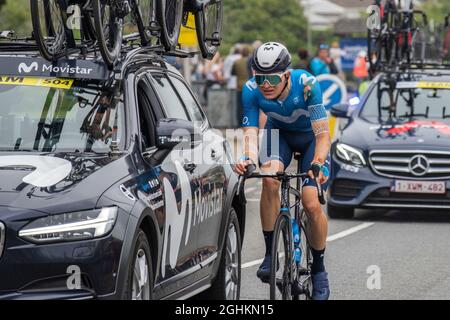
(304, 279)
(108, 28)
(170, 16)
(281, 267)
(208, 23)
(48, 28)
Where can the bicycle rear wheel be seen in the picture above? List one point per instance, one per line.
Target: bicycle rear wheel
(48, 28)
(208, 23)
(170, 16)
(281, 267)
(109, 24)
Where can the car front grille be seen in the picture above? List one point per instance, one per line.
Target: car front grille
(414, 164)
(2, 238)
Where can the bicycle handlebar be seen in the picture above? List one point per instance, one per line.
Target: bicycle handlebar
(316, 169)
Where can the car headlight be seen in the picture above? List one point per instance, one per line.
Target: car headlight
(71, 226)
(350, 155)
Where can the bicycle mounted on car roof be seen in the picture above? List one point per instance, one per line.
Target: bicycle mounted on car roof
(62, 27)
(398, 46)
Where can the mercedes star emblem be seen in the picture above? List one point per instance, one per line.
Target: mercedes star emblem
(419, 165)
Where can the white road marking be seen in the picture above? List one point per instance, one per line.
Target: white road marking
(252, 263)
(332, 238)
(256, 262)
(350, 231)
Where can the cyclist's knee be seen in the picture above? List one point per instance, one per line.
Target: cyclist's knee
(312, 207)
(270, 185)
(272, 166)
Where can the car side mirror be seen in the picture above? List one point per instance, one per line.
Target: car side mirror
(340, 110)
(173, 132)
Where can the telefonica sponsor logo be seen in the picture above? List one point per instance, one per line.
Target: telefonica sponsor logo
(67, 69)
(24, 68)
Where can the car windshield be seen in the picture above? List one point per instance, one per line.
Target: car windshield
(55, 115)
(433, 104)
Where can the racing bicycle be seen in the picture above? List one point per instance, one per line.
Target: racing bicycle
(290, 271)
(392, 42)
(61, 27)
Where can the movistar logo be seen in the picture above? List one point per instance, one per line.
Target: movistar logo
(196, 209)
(24, 68)
(67, 69)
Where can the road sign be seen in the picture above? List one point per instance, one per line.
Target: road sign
(333, 89)
(334, 92)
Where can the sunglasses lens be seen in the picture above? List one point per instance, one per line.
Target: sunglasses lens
(272, 79)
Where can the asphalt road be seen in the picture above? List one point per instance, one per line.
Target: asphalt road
(409, 250)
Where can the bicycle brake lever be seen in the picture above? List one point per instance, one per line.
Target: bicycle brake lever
(316, 168)
(250, 169)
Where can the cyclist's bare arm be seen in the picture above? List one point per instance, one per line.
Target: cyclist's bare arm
(250, 148)
(262, 120)
(323, 144)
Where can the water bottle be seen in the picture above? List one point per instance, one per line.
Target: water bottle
(296, 234)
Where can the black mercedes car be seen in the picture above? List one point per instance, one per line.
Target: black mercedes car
(113, 185)
(393, 151)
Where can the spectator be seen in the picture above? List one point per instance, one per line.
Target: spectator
(240, 70)
(322, 63)
(255, 46)
(304, 60)
(446, 49)
(235, 54)
(336, 54)
(360, 69)
(214, 71)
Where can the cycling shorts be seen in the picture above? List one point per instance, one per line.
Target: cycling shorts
(290, 142)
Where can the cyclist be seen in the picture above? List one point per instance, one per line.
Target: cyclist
(297, 122)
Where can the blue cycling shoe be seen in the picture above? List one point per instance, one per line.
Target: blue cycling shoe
(263, 272)
(321, 287)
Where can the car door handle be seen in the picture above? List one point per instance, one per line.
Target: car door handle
(190, 167)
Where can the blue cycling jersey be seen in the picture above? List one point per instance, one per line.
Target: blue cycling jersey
(295, 113)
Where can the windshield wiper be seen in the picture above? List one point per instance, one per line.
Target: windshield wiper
(412, 114)
(17, 150)
(444, 113)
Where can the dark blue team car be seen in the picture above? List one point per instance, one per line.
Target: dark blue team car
(112, 184)
(394, 156)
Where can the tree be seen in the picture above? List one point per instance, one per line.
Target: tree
(437, 9)
(15, 15)
(265, 20)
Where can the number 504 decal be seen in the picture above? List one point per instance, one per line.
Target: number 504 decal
(37, 82)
